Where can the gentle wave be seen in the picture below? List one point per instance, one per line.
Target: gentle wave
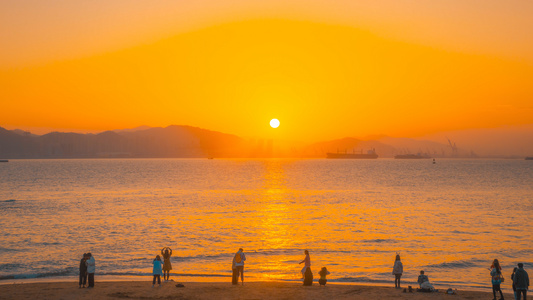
(379, 241)
(39, 275)
(64, 273)
(459, 264)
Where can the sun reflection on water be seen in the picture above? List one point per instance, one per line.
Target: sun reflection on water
(353, 216)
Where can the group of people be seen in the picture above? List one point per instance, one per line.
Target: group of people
(423, 279)
(519, 277)
(162, 267)
(237, 266)
(87, 269)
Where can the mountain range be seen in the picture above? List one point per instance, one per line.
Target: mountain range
(192, 142)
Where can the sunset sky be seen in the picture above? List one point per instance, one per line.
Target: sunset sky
(325, 69)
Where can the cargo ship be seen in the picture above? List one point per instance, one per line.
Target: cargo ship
(411, 156)
(370, 154)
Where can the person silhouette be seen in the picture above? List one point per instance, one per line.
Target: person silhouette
(157, 270)
(323, 273)
(496, 275)
(397, 271)
(83, 271)
(91, 268)
(167, 265)
(521, 281)
(306, 262)
(238, 266)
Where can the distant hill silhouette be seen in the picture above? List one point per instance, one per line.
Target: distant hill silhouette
(193, 142)
(171, 141)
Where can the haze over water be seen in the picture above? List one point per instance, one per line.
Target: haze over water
(450, 219)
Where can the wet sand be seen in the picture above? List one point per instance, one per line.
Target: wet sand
(218, 290)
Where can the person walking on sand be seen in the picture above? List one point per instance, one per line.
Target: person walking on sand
(91, 268)
(521, 281)
(83, 271)
(157, 270)
(397, 271)
(167, 266)
(496, 274)
(307, 263)
(238, 266)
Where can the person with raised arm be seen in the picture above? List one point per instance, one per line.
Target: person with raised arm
(167, 266)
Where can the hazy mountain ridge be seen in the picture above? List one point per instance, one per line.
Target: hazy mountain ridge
(171, 141)
(186, 141)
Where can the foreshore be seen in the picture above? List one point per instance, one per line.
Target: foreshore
(219, 290)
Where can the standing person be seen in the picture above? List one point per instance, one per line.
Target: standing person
(238, 266)
(397, 271)
(83, 270)
(91, 268)
(157, 271)
(521, 281)
(496, 274)
(307, 261)
(235, 274)
(323, 273)
(512, 281)
(167, 266)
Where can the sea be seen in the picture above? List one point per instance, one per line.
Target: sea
(450, 218)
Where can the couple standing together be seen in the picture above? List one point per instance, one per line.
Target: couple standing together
(238, 267)
(87, 268)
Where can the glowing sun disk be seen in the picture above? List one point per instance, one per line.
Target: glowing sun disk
(274, 123)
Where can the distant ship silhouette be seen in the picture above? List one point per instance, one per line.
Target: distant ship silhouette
(411, 156)
(370, 154)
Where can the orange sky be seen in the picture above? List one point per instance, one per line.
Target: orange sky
(402, 68)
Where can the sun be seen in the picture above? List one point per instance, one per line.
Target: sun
(274, 123)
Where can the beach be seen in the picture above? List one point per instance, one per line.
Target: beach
(219, 290)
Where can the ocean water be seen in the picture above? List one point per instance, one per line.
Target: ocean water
(450, 219)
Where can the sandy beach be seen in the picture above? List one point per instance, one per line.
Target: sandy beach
(218, 290)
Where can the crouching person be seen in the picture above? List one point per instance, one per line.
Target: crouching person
(423, 281)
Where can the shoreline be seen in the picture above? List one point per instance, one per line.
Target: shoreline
(227, 279)
(219, 290)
